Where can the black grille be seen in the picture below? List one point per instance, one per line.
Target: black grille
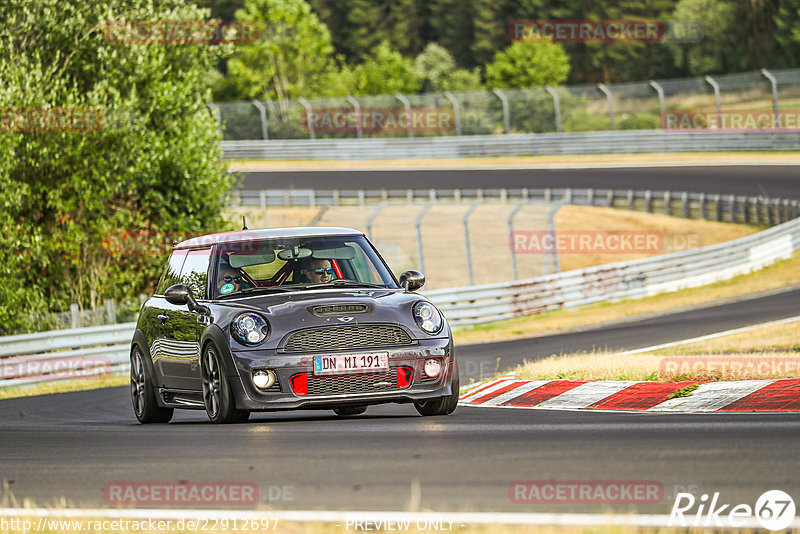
(332, 310)
(360, 383)
(347, 337)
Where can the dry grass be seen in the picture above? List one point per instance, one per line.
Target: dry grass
(678, 233)
(83, 384)
(780, 337)
(762, 353)
(781, 275)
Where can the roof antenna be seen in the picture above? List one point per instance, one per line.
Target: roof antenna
(244, 223)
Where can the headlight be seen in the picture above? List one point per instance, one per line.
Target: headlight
(427, 317)
(250, 329)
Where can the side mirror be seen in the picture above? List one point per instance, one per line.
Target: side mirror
(181, 294)
(412, 280)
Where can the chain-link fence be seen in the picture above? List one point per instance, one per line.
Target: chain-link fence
(628, 106)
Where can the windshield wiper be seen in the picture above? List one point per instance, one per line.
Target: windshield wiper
(342, 283)
(256, 289)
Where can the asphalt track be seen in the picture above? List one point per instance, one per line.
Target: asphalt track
(72, 445)
(754, 180)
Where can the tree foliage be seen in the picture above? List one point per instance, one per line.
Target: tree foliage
(85, 211)
(528, 64)
(292, 57)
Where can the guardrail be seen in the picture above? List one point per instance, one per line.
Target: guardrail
(729, 208)
(64, 354)
(68, 354)
(639, 278)
(615, 142)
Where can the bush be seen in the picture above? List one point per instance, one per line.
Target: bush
(151, 167)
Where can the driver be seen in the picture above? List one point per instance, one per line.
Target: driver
(317, 271)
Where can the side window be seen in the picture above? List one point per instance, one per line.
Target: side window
(171, 275)
(195, 271)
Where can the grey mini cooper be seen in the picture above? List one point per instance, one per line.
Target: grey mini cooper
(288, 318)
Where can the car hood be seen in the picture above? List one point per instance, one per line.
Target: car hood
(288, 312)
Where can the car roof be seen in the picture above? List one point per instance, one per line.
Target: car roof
(265, 233)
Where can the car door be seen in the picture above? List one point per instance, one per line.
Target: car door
(180, 361)
(154, 313)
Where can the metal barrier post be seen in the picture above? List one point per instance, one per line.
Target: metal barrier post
(357, 108)
(262, 111)
(703, 206)
(506, 114)
(774, 83)
(456, 109)
(418, 225)
(372, 218)
(556, 105)
(655, 85)
(468, 248)
(606, 91)
(715, 85)
(407, 106)
(514, 268)
(307, 106)
(551, 227)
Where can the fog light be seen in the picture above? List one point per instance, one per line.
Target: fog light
(432, 368)
(263, 379)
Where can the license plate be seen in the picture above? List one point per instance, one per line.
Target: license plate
(325, 365)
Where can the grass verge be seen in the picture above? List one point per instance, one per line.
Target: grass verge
(107, 381)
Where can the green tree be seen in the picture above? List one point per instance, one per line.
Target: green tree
(292, 57)
(528, 64)
(149, 168)
(359, 26)
(436, 70)
(713, 53)
(385, 72)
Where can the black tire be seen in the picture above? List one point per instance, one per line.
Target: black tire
(444, 405)
(349, 410)
(217, 396)
(143, 397)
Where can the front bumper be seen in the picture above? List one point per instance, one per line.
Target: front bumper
(285, 366)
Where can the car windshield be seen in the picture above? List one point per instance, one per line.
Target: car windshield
(299, 263)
